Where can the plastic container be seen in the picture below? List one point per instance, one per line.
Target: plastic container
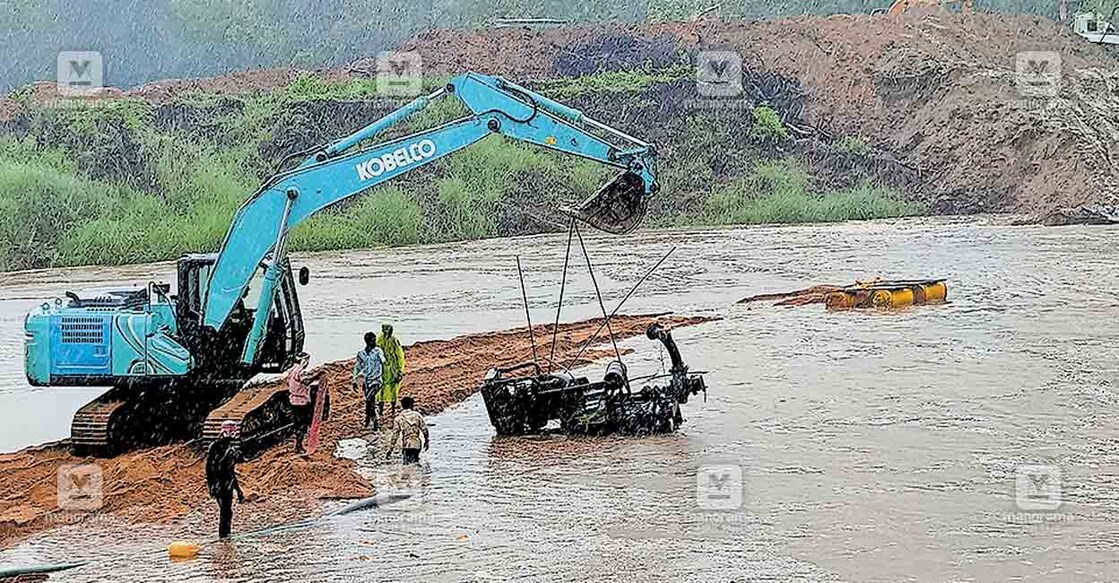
(183, 550)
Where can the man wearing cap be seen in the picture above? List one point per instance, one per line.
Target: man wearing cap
(221, 474)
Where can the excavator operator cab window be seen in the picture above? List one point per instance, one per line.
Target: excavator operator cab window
(194, 280)
(284, 336)
(251, 296)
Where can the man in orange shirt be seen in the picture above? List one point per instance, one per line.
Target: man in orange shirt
(299, 395)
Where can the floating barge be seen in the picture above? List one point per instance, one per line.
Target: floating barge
(884, 294)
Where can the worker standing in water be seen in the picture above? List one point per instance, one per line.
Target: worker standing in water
(369, 367)
(394, 369)
(411, 429)
(221, 474)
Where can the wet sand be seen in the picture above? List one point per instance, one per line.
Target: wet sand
(163, 484)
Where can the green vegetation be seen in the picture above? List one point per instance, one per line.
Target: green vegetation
(768, 125)
(115, 189)
(386, 217)
(852, 146)
(39, 207)
(778, 192)
(120, 184)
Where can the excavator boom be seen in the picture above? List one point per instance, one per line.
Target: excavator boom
(341, 170)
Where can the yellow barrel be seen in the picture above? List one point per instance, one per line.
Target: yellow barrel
(183, 550)
(839, 301)
(936, 292)
(898, 298)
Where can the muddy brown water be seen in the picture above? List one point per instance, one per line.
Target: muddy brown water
(872, 447)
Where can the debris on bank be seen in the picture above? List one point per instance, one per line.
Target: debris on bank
(876, 293)
(1085, 215)
(800, 297)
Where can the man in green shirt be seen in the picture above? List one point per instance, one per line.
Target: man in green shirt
(393, 371)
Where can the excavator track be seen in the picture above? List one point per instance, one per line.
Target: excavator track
(128, 417)
(91, 426)
(262, 413)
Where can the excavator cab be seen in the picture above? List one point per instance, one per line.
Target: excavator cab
(218, 351)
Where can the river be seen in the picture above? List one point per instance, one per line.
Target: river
(973, 441)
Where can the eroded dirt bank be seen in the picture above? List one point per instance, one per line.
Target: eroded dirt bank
(941, 92)
(934, 95)
(161, 485)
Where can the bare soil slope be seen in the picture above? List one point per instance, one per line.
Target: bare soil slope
(936, 91)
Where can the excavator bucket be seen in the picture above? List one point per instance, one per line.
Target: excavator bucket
(617, 207)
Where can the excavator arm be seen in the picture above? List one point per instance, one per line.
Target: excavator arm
(340, 170)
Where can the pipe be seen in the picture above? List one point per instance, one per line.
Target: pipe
(367, 503)
(614, 132)
(568, 114)
(655, 332)
(35, 569)
(380, 125)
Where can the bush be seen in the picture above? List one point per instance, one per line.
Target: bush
(462, 213)
(852, 146)
(777, 192)
(383, 217)
(38, 206)
(767, 125)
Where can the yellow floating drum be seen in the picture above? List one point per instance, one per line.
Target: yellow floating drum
(893, 298)
(886, 295)
(935, 292)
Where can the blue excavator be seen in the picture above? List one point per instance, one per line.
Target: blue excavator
(178, 361)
